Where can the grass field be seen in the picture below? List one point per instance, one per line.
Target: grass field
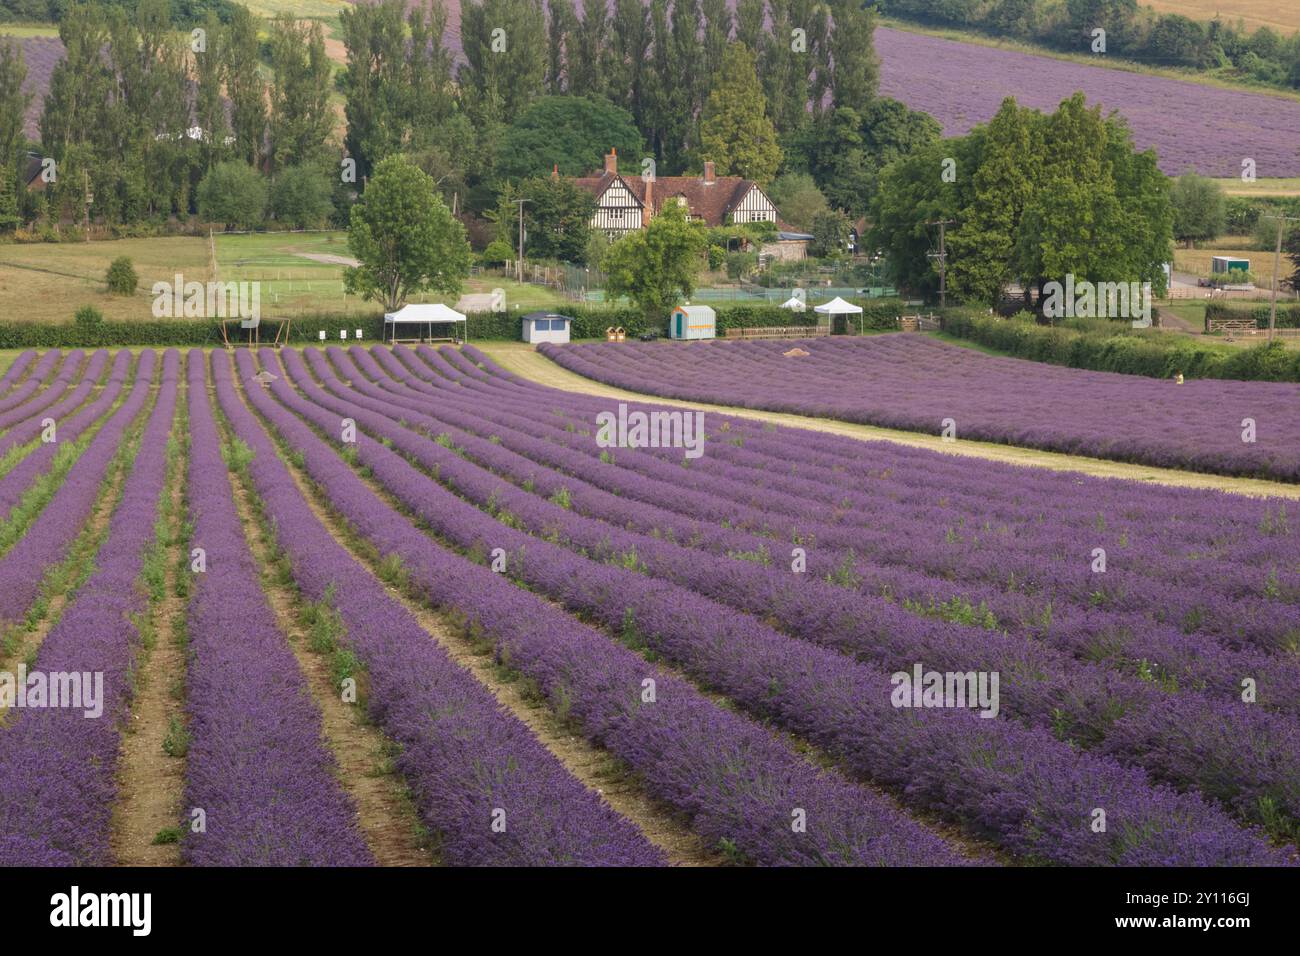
(28, 30)
(1280, 15)
(1261, 187)
(1197, 261)
(48, 282)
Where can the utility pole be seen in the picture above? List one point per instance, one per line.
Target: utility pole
(89, 197)
(1277, 266)
(519, 265)
(942, 256)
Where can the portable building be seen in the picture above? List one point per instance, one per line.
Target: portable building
(693, 322)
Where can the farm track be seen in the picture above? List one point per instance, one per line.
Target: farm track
(150, 782)
(384, 809)
(595, 768)
(524, 361)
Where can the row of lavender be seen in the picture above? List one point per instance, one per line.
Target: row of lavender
(59, 763)
(1036, 798)
(913, 382)
(1022, 546)
(1124, 716)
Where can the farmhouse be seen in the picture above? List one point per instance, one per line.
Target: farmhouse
(626, 203)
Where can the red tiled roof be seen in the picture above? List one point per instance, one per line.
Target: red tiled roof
(709, 202)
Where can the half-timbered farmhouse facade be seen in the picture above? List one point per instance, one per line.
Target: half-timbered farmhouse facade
(624, 204)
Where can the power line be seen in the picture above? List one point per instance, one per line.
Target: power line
(1277, 267)
(520, 262)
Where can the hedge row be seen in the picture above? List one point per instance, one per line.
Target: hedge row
(1153, 354)
(1288, 316)
(589, 322)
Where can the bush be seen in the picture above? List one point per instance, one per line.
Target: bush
(497, 252)
(741, 264)
(88, 317)
(1154, 354)
(121, 277)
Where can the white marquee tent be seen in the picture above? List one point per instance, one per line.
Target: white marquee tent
(426, 314)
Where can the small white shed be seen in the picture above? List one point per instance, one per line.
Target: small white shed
(693, 322)
(546, 327)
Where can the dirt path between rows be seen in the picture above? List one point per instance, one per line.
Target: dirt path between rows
(525, 361)
(151, 783)
(387, 817)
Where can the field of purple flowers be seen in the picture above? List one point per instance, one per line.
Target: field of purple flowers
(1192, 126)
(915, 383)
(729, 628)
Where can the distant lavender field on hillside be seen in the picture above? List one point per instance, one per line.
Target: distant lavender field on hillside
(1192, 126)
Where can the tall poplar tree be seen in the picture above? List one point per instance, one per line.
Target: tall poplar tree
(735, 131)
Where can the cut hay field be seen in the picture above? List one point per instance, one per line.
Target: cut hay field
(460, 583)
(1281, 16)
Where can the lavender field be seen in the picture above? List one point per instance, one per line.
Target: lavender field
(916, 383)
(1191, 126)
(729, 629)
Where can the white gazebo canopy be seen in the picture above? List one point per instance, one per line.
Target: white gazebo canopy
(425, 312)
(794, 304)
(838, 306)
(422, 313)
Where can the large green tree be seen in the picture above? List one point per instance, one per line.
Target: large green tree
(233, 193)
(505, 58)
(855, 68)
(571, 132)
(301, 118)
(735, 131)
(656, 266)
(13, 107)
(1002, 179)
(404, 237)
(398, 86)
(799, 199)
(557, 217)
(245, 87)
(1034, 199)
(1199, 208)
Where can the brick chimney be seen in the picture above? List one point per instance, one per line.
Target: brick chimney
(708, 172)
(611, 161)
(649, 199)
(555, 171)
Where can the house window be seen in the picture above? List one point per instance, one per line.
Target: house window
(542, 325)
